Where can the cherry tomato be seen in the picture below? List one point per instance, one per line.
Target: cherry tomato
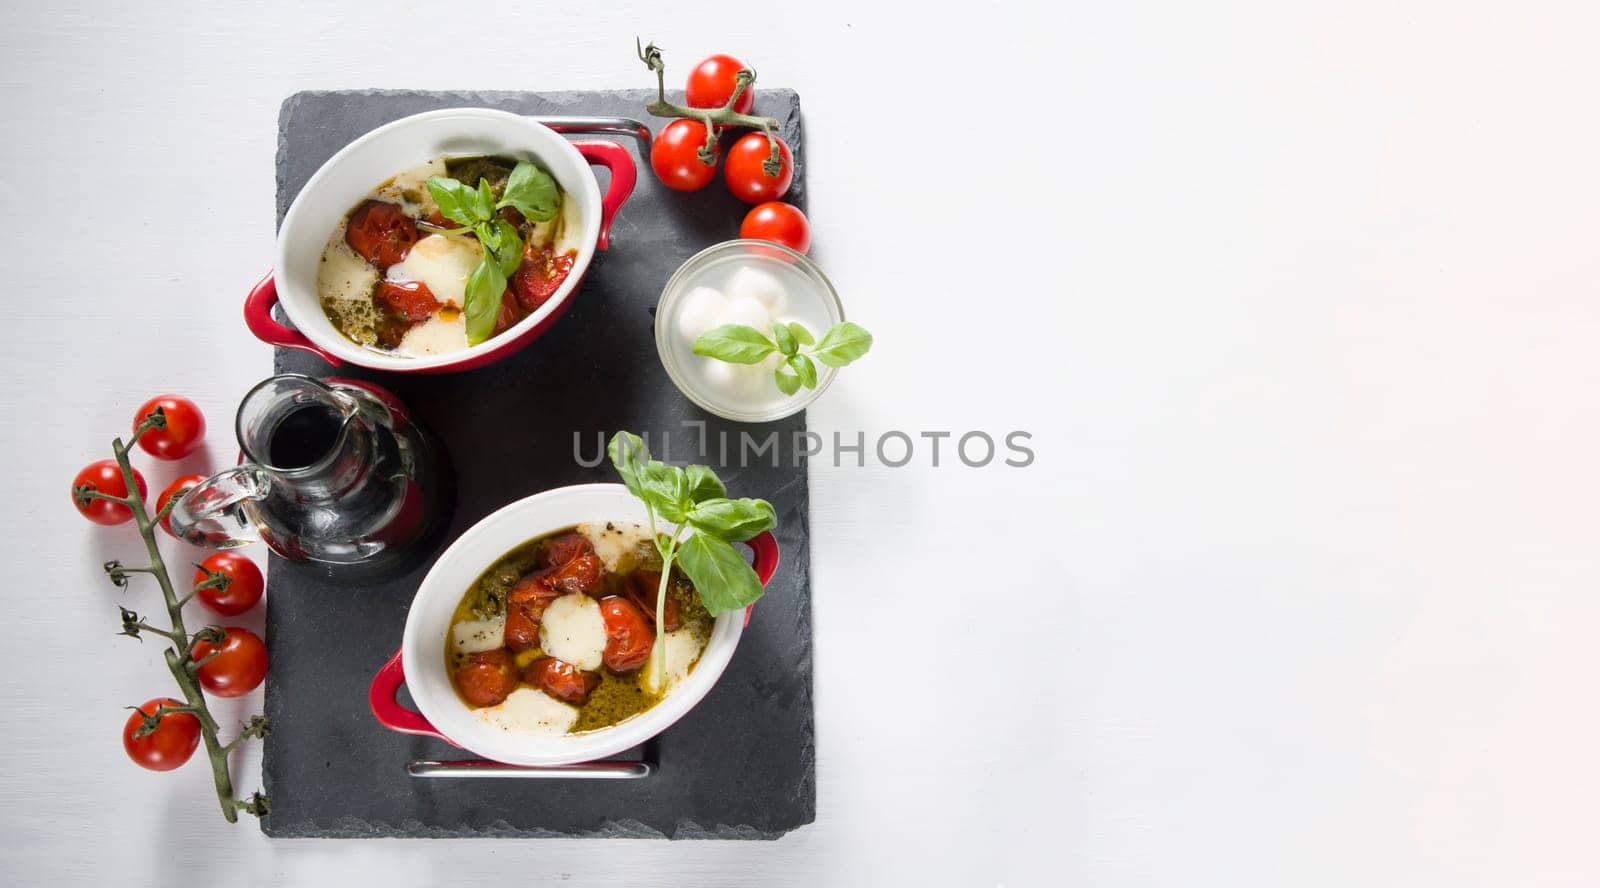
(172, 742)
(381, 233)
(239, 667)
(564, 548)
(711, 85)
(525, 605)
(487, 678)
(541, 274)
(628, 635)
(561, 679)
(410, 301)
(580, 574)
(105, 476)
(244, 584)
(780, 223)
(177, 488)
(747, 179)
(643, 587)
(674, 155)
(185, 428)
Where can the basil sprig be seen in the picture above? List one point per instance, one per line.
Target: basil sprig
(741, 344)
(709, 523)
(530, 191)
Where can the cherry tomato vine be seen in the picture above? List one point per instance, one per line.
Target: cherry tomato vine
(714, 119)
(180, 656)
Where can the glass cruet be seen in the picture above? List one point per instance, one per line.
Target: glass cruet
(333, 474)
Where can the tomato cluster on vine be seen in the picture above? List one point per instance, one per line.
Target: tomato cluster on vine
(758, 165)
(228, 661)
(686, 160)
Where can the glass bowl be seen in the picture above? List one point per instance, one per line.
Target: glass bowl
(741, 270)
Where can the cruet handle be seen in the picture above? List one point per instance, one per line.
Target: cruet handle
(214, 513)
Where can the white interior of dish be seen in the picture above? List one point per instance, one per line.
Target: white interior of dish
(461, 564)
(348, 176)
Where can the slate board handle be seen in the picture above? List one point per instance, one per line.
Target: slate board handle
(258, 317)
(624, 175)
(381, 696)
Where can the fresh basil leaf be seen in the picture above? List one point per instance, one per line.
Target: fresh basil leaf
(803, 368)
(704, 484)
(788, 381)
(785, 339)
(799, 331)
(485, 288)
(733, 519)
(666, 489)
(507, 248)
(452, 198)
(842, 344)
(532, 192)
(721, 576)
(734, 343)
(483, 201)
(628, 457)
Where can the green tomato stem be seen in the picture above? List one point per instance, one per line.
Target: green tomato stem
(713, 118)
(179, 657)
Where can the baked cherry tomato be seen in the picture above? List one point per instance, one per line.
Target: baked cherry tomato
(185, 428)
(410, 301)
(643, 588)
(564, 548)
(105, 476)
(525, 605)
(628, 635)
(243, 584)
(561, 679)
(580, 574)
(780, 223)
(238, 667)
(711, 85)
(674, 155)
(381, 232)
(748, 179)
(179, 486)
(540, 276)
(487, 678)
(171, 743)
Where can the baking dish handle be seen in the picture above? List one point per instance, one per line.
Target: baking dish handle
(258, 317)
(381, 696)
(624, 175)
(765, 548)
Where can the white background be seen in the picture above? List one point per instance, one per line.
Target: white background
(1299, 301)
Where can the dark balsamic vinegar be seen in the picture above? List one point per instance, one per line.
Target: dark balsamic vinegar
(304, 437)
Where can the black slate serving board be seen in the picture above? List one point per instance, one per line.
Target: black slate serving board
(740, 765)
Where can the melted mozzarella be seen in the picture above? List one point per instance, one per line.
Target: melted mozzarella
(527, 711)
(571, 227)
(613, 546)
(435, 336)
(472, 636)
(443, 264)
(573, 630)
(343, 274)
(413, 183)
(683, 648)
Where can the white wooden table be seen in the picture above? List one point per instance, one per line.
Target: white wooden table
(1300, 308)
